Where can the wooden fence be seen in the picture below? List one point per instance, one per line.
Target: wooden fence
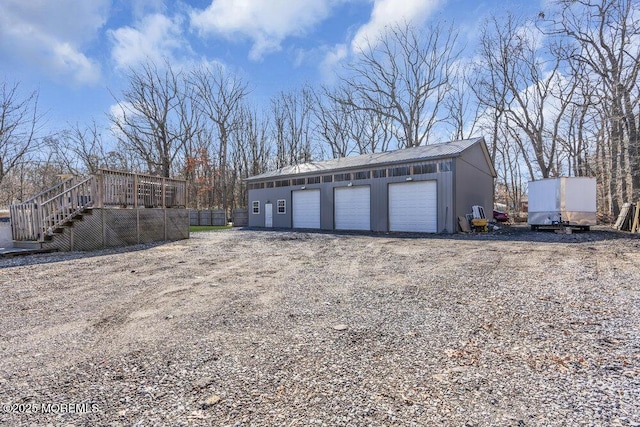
(207, 217)
(240, 217)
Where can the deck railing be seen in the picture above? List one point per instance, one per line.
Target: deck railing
(46, 212)
(63, 207)
(56, 189)
(123, 189)
(40, 217)
(25, 222)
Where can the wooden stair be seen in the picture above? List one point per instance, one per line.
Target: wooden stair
(46, 243)
(36, 221)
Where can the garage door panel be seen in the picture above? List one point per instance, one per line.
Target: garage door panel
(352, 208)
(306, 208)
(413, 206)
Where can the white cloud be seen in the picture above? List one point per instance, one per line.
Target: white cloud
(387, 13)
(384, 14)
(69, 60)
(154, 37)
(141, 8)
(331, 61)
(31, 33)
(265, 23)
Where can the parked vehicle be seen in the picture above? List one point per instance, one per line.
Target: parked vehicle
(500, 216)
(564, 201)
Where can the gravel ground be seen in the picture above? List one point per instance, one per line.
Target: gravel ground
(246, 327)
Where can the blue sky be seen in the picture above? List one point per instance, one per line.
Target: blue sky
(76, 52)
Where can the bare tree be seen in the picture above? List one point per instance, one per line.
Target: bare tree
(291, 127)
(34, 174)
(404, 75)
(607, 36)
(251, 154)
(219, 96)
(582, 124)
(523, 81)
(372, 131)
(19, 124)
(155, 117)
(82, 149)
(490, 89)
(347, 130)
(333, 123)
(200, 169)
(464, 108)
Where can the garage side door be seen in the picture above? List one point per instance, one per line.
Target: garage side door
(413, 206)
(352, 208)
(306, 208)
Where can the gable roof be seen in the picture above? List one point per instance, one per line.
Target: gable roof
(405, 155)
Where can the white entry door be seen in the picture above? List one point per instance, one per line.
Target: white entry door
(268, 215)
(413, 206)
(306, 208)
(352, 208)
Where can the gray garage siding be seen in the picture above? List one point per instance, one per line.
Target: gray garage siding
(270, 195)
(473, 182)
(379, 201)
(466, 182)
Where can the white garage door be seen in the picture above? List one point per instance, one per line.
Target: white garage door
(352, 208)
(413, 206)
(306, 209)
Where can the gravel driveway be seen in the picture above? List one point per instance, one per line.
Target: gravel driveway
(245, 327)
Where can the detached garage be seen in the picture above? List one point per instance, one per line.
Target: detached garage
(421, 189)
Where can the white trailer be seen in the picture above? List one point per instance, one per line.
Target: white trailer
(565, 201)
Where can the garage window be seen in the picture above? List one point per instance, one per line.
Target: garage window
(270, 184)
(380, 173)
(297, 181)
(399, 171)
(425, 168)
(327, 178)
(361, 175)
(445, 166)
(341, 177)
(282, 206)
(255, 207)
(313, 180)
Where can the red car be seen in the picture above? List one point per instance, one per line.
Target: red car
(500, 216)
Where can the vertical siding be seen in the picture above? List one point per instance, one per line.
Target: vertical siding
(379, 201)
(326, 204)
(270, 195)
(474, 183)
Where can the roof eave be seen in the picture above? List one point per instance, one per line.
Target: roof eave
(345, 168)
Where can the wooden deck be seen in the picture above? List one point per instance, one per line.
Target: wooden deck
(37, 219)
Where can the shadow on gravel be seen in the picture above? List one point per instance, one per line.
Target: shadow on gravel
(516, 233)
(46, 258)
